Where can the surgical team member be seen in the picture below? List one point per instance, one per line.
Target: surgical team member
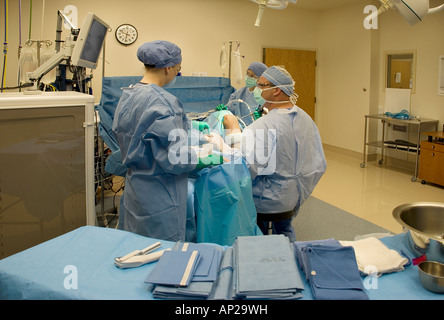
(155, 197)
(283, 151)
(245, 94)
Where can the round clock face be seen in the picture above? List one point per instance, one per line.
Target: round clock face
(126, 34)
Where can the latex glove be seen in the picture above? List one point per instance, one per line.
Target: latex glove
(200, 125)
(210, 160)
(216, 140)
(221, 107)
(257, 114)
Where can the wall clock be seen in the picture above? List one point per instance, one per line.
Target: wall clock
(126, 34)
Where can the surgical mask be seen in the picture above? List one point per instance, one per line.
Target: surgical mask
(257, 93)
(261, 101)
(250, 82)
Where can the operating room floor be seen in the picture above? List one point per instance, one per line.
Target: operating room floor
(371, 193)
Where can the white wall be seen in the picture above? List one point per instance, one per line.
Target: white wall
(197, 26)
(350, 58)
(427, 38)
(344, 77)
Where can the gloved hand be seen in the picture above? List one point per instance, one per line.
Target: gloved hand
(210, 160)
(216, 140)
(257, 114)
(200, 125)
(221, 107)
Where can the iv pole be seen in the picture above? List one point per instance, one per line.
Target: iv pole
(230, 50)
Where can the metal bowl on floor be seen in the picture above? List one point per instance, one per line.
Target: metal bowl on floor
(431, 274)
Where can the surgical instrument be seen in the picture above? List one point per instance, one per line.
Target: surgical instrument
(139, 257)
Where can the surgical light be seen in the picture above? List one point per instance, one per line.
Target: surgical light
(413, 11)
(273, 4)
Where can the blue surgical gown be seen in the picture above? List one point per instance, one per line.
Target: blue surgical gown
(287, 164)
(154, 202)
(241, 109)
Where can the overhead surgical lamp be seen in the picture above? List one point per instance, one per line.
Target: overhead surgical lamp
(273, 4)
(413, 11)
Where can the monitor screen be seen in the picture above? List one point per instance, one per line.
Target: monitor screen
(89, 42)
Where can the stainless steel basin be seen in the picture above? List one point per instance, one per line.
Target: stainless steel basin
(425, 218)
(431, 274)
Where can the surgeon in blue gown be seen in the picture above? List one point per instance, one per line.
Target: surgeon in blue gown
(151, 129)
(282, 149)
(242, 102)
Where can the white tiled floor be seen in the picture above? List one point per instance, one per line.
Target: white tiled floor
(371, 192)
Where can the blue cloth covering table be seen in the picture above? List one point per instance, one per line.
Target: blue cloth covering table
(40, 272)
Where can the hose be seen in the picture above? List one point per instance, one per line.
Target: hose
(20, 39)
(30, 18)
(5, 46)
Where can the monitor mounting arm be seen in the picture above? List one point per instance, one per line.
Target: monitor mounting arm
(62, 54)
(51, 63)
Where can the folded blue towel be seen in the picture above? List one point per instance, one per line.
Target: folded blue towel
(265, 268)
(174, 268)
(203, 277)
(223, 287)
(209, 261)
(300, 245)
(333, 273)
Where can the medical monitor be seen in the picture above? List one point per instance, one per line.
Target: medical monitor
(89, 42)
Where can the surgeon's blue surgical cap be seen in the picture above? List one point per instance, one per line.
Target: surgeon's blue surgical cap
(280, 77)
(159, 54)
(258, 68)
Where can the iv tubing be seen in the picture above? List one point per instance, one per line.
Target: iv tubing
(5, 45)
(30, 19)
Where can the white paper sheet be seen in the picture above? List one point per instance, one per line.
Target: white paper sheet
(397, 100)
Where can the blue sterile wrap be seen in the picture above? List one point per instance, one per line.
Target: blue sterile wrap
(224, 203)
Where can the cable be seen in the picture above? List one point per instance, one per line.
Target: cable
(30, 19)
(3, 73)
(5, 45)
(20, 25)
(25, 85)
(20, 39)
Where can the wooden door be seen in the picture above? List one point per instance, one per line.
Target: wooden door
(301, 64)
